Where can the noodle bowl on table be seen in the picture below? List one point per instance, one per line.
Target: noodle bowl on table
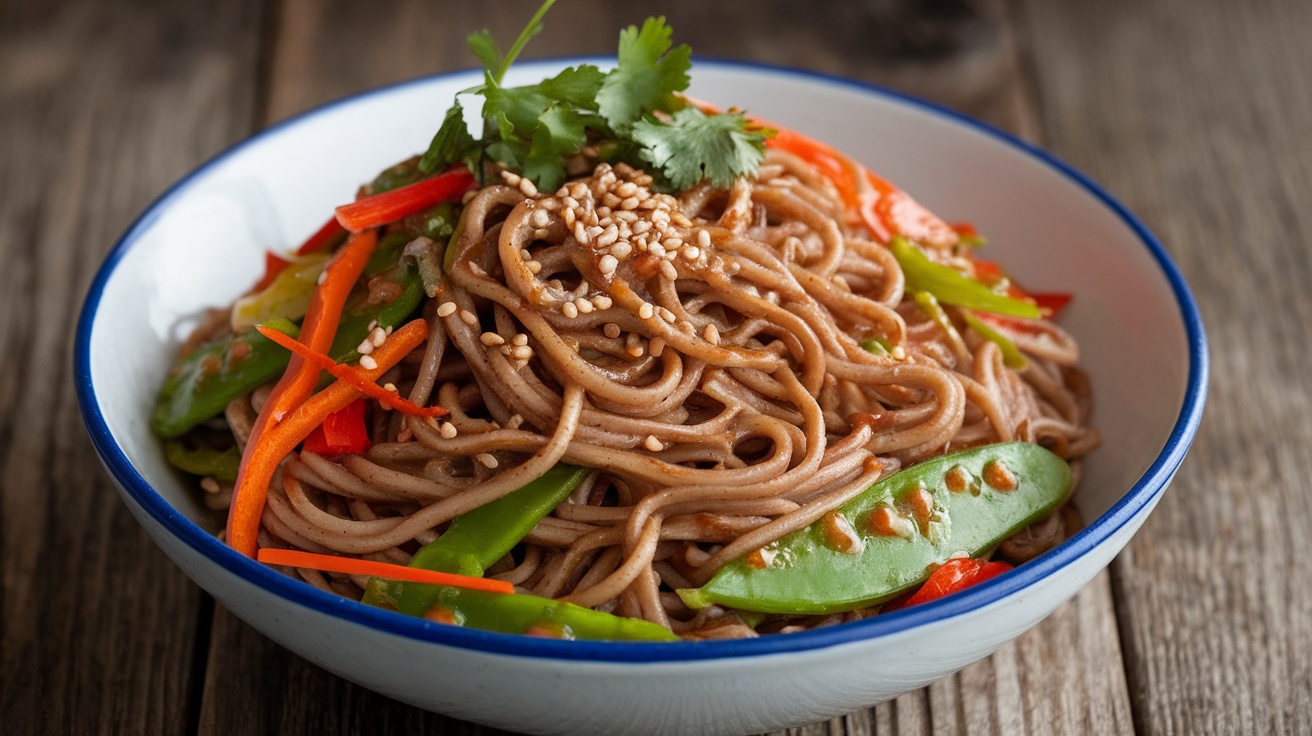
(658, 409)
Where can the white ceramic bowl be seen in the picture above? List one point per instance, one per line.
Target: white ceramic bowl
(199, 245)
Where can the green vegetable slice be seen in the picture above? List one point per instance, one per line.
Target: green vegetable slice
(902, 525)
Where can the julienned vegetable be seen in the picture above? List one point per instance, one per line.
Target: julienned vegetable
(353, 566)
(271, 441)
(885, 540)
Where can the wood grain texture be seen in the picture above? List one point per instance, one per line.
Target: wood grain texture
(101, 106)
(1199, 121)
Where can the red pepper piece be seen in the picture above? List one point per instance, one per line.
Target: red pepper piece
(322, 238)
(952, 576)
(342, 433)
(386, 207)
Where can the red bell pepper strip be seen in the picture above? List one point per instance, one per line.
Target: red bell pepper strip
(322, 238)
(952, 576)
(387, 207)
(342, 433)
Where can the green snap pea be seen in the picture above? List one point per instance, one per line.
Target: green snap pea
(203, 461)
(483, 536)
(200, 386)
(885, 540)
(530, 614)
(950, 286)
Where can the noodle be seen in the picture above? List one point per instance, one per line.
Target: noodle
(703, 354)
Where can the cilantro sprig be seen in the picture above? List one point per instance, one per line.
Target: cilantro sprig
(634, 109)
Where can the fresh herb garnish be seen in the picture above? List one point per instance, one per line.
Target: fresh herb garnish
(635, 108)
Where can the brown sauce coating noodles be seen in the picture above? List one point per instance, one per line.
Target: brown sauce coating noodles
(703, 353)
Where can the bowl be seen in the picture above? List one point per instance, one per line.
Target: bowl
(200, 245)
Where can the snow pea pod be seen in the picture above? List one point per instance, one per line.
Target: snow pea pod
(888, 538)
(477, 539)
(200, 386)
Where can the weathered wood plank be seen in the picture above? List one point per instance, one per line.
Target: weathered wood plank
(1198, 120)
(101, 106)
(1063, 677)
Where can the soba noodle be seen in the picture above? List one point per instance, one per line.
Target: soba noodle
(702, 353)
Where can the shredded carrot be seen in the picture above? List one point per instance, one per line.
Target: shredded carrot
(353, 566)
(276, 439)
(353, 376)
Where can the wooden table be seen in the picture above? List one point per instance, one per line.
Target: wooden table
(1197, 115)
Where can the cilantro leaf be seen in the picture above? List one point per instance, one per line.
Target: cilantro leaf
(450, 144)
(486, 49)
(695, 146)
(648, 75)
(562, 133)
(576, 86)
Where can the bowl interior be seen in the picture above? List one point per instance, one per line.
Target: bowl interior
(201, 245)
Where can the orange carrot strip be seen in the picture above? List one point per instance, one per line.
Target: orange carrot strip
(353, 376)
(352, 566)
(275, 440)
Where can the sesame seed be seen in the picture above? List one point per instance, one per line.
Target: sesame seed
(646, 310)
(448, 430)
(569, 217)
(668, 271)
(209, 485)
(524, 255)
(611, 330)
(487, 459)
(607, 264)
(621, 249)
(519, 339)
(610, 200)
(510, 178)
(323, 276)
(656, 347)
(673, 242)
(603, 212)
(667, 315)
(540, 218)
(691, 252)
(372, 324)
(629, 203)
(626, 189)
(569, 310)
(583, 305)
(712, 334)
(607, 236)
(641, 226)
(377, 337)
(580, 232)
(522, 352)
(653, 444)
(528, 188)
(445, 309)
(364, 348)
(491, 339)
(534, 267)
(594, 231)
(389, 386)
(601, 301)
(476, 269)
(656, 249)
(468, 317)
(682, 220)
(704, 238)
(368, 363)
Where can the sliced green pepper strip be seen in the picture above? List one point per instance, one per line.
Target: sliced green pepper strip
(950, 286)
(967, 501)
(203, 461)
(1012, 357)
(479, 538)
(201, 385)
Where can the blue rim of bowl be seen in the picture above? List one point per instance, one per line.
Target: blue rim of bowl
(1148, 488)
